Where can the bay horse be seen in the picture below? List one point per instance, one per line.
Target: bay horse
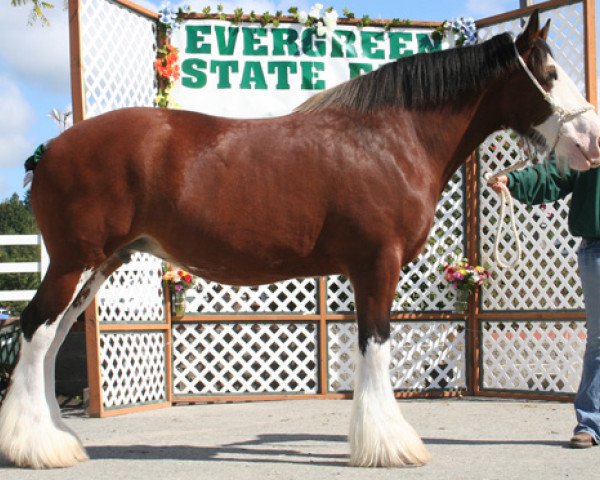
(346, 184)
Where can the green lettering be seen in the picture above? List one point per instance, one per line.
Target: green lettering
(369, 44)
(343, 40)
(194, 35)
(357, 69)
(425, 45)
(226, 46)
(310, 75)
(285, 38)
(252, 39)
(398, 44)
(283, 70)
(311, 45)
(224, 67)
(193, 67)
(253, 73)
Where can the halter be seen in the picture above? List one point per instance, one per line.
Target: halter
(564, 116)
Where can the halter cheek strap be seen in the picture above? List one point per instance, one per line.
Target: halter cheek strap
(564, 115)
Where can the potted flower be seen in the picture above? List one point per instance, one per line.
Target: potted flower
(178, 281)
(464, 278)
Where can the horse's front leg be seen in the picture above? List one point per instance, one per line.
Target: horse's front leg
(379, 434)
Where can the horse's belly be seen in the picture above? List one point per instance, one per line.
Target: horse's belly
(241, 260)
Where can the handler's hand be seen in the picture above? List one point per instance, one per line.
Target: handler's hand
(501, 181)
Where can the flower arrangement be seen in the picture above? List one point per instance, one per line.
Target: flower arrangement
(167, 56)
(321, 22)
(463, 28)
(463, 276)
(178, 279)
(169, 17)
(168, 71)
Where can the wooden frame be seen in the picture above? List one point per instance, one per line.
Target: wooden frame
(322, 319)
(472, 318)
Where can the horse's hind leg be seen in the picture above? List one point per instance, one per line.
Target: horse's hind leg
(379, 434)
(32, 433)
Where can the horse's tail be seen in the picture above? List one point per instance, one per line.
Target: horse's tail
(32, 162)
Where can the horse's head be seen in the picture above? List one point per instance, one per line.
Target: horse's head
(563, 120)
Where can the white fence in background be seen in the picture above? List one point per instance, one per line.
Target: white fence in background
(22, 267)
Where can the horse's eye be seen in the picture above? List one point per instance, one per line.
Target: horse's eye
(551, 75)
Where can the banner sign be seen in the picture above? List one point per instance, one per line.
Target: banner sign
(250, 71)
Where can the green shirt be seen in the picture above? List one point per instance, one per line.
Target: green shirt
(543, 183)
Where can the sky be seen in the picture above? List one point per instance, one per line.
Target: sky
(34, 62)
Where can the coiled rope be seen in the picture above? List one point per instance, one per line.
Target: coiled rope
(506, 200)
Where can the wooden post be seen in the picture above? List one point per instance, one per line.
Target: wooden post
(77, 89)
(168, 345)
(92, 347)
(589, 40)
(472, 227)
(323, 367)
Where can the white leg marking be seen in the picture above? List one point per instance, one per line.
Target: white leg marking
(32, 434)
(64, 324)
(379, 434)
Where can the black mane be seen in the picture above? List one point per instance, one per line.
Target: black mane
(424, 80)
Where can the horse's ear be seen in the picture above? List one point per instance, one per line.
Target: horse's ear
(526, 40)
(544, 31)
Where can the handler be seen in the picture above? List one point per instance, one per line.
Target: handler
(544, 183)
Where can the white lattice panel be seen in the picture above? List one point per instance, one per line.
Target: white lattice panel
(425, 355)
(133, 368)
(118, 48)
(565, 37)
(244, 358)
(134, 293)
(293, 296)
(533, 356)
(421, 286)
(546, 278)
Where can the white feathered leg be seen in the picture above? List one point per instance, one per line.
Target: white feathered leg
(29, 436)
(379, 434)
(32, 433)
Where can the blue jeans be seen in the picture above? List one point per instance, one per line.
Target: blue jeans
(587, 401)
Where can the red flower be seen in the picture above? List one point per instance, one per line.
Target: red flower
(171, 58)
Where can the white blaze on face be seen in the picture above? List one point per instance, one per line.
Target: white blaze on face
(574, 136)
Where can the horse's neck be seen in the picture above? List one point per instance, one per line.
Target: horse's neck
(447, 136)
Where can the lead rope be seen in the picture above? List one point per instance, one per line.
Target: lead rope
(506, 200)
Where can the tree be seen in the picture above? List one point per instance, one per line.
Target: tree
(38, 9)
(16, 218)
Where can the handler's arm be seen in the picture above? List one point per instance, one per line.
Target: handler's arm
(542, 183)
